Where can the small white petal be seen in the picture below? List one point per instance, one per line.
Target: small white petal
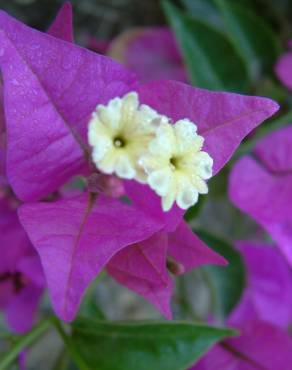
(164, 142)
(110, 115)
(168, 201)
(187, 197)
(160, 181)
(129, 108)
(200, 185)
(108, 162)
(102, 146)
(124, 168)
(187, 136)
(204, 164)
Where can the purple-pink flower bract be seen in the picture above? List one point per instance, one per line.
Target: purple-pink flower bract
(51, 87)
(261, 187)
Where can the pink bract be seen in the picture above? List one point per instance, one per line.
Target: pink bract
(268, 286)
(259, 346)
(262, 188)
(55, 86)
(62, 27)
(50, 80)
(142, 268)
(76, 238)
(223, 119)
(51, 87)
(152, 53)
(21, 277)
(283, 69)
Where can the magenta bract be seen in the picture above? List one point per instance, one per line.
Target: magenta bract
(21, 277)
(268, 291)
(55, 86)
(223, 119)
(262, 188)
(152, 53)
(76, 238)
(259, 346)
(51, 87)
(283, 69)
(142, 268)
(62, 27)
(186, 248)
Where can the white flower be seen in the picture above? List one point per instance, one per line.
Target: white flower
(120, 133)
(176, 166)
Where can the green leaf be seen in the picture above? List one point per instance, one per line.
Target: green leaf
(205, 10)
(252, 37)
(209, 56)
(226, 283)
(143, 345)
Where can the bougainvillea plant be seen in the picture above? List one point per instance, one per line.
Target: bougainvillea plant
(100, 168)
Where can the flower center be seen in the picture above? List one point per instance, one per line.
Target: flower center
(119, 142)
(174, 163)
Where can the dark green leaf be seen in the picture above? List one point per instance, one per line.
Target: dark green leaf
(143, 345)
(254, 40)
(205, 10)
(227, 283)
(209, 56)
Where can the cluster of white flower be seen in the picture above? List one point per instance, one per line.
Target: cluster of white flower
(133, 141)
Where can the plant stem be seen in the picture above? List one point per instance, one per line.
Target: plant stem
(24, 342)
(69, 344)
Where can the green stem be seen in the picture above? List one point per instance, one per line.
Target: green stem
(69, 344)
(23, 342)
(62, 361)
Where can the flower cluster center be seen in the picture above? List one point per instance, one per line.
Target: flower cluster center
(119, 142)
(174, 163)
(165, 155)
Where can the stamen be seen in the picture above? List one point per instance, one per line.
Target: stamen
(173, 163)
(119, 143)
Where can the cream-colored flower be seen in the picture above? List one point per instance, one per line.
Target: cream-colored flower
(176, 166)
(120, 133)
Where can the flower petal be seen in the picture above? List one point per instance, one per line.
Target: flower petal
(62, 26)
(144, 198)
(186, 248)
(283, 69)
(14, 243)
(20, 313)
(275, 150)
(223, 119)
(268, 286)
(50, 89)
(260, 346)
(263, 195)
(142, 268)
(76, 238)
(151, 52)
